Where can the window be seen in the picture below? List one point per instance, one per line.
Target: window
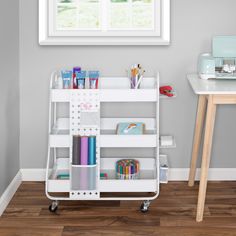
(101, 22)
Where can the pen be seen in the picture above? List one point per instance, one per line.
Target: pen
(140, 79)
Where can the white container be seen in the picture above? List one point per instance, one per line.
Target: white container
(83, 178)
(163, 169)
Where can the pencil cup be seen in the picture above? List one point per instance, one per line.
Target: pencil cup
(127, 169)
(128, 176)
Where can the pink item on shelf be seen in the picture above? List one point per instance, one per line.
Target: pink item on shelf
(84, 151)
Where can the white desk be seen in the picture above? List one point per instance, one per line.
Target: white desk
(207, 87)
(211, 93)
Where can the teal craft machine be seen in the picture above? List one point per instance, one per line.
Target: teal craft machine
(221, 63)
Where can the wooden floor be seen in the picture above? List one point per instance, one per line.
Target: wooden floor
(173, 213)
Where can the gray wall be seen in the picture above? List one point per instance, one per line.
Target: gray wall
(9, 92)
(193, 24)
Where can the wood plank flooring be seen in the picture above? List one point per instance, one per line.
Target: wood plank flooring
(172, 214)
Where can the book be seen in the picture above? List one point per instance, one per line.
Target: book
(130, 128)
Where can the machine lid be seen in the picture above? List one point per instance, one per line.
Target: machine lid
(224, 46)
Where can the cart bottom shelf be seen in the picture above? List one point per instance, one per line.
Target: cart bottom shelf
(128, 186)
(127, 195)
(116, 186)
(146, 182)
(58, 186)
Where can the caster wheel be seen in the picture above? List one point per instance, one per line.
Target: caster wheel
(53, 207)
(145, 206)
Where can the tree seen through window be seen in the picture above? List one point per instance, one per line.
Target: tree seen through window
(119, 15)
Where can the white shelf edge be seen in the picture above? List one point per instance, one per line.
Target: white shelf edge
(136, 141)
(115, 185)
(63, 141)
(59, 140)
(111, 95)
(83, 166)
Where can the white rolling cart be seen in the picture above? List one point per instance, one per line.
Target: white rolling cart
(83, 118)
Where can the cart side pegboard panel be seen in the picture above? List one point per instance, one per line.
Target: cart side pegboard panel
(85, 121)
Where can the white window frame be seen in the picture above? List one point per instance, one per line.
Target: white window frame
(49, 36)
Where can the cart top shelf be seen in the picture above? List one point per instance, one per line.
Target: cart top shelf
(124, 83)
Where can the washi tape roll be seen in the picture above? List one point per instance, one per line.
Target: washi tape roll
(76, 154)
(84, 151)
(92, 151)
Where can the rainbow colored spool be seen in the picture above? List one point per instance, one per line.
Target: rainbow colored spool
(127, 169)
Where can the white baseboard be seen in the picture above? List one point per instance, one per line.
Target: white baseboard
(175, 174)
(9, 192)
(214, 174)
(33, 174)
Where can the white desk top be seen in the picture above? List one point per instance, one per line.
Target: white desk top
(201, 86)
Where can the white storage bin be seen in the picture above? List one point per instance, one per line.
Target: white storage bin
(164, 169)
(83, 178)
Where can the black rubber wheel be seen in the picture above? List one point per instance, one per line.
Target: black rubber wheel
(52, 209)
(143, 208)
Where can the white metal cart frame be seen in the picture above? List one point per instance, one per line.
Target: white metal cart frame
(111, 89)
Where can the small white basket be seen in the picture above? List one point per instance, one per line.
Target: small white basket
(164, 169)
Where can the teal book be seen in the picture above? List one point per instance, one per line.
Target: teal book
(130, 128)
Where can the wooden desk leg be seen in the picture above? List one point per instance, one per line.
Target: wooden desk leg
(201, 111)
(206, 156)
